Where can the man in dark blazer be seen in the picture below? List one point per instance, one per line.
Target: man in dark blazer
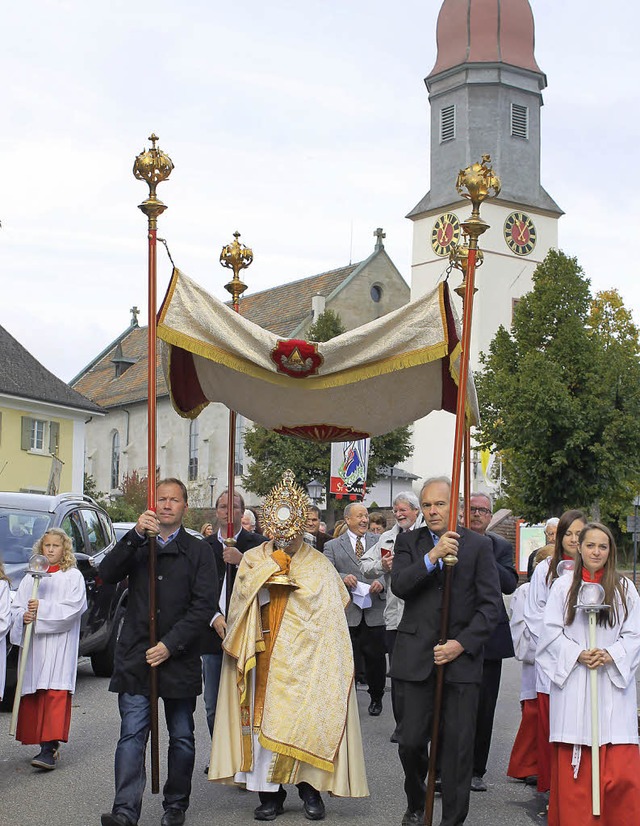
(211, 642)
(499, 646)
(366, 625)
(313, 527)
(417, 577)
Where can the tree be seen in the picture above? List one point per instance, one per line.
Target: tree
(327, 326)
(559, 397)
(272, 453)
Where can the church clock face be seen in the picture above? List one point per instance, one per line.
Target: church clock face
(520, 233)
(445, 233)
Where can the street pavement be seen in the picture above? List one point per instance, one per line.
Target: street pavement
(82, 786)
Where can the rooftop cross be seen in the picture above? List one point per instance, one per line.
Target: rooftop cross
(379, 234)
(134, 316)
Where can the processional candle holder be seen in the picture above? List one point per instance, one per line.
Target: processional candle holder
(38, 569)
(591, 601)
(565, 566)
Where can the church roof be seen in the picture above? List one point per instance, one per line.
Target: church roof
(485, 31)
(22, 376)
(280, 309)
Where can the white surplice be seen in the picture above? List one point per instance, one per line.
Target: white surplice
(557, 655)
(52, 660)
(523, 645)
(533, 611)
(5, 622)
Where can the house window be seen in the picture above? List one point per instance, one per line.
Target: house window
(448, 123)
(519, 121)
(115, 460)
(40, 436)
(193, 450)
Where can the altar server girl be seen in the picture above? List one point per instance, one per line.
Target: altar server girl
(5, 622)
(566, 658)
(52, 658)
(566, 547)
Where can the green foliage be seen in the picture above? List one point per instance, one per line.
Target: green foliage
(272, 453)
(133, 502)
(560, 398)
(328, 326)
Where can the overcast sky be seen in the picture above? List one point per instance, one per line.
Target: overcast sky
(303, 124)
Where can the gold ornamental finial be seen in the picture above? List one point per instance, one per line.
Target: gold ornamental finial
(153, 166)
(475, 183)
(459, 258)
(236, 257)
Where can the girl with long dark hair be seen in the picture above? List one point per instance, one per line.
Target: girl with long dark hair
(566, 548)
(565, 656)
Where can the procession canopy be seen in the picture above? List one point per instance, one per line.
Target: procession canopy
(365, 382)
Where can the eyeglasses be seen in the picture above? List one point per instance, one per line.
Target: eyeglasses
(483, 511)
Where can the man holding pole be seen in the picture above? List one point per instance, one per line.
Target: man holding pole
(417, 578)
(185, 603)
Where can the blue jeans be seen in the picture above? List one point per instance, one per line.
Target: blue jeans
(130, 773)
(211, 668)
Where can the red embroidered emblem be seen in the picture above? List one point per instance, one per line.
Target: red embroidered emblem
(296, 358)
(322, 432)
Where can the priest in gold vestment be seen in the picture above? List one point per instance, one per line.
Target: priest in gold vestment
(287, 709)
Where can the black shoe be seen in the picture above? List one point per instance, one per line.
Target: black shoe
(478, 784)
(206, 769)
(47, 757)
(531, 780)
(111, 819)
(375, 708)
(312, 802)
(271, 807)
(410, 818)
(172, 817)
(393, 738)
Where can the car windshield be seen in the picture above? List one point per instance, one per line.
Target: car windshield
(19, 531)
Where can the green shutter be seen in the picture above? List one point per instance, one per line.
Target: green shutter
(54, 437)
(27, 424)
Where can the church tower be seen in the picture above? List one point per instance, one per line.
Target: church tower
(485, 93)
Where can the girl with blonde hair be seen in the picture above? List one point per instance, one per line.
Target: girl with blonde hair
(52, 658)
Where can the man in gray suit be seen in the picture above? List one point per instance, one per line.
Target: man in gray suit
(366, 625)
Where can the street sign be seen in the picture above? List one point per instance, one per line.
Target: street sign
(633, 524)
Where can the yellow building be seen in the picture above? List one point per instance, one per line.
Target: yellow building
(42, 425)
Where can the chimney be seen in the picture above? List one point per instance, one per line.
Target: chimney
(317, 306)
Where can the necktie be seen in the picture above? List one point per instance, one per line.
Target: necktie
(359, 547)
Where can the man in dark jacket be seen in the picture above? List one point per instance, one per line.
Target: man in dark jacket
(417, 577)
(499, 646)
(211, 641)
(186, 596)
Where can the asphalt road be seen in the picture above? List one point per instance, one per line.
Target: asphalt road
(82, 786)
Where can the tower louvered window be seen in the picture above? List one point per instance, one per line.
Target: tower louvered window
(519, 121)
(448, 123)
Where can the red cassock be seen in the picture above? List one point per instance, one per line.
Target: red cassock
(524, 754)
(570, 802)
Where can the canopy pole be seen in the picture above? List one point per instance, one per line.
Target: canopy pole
(473, 183)
(152, 166)
(236, 257)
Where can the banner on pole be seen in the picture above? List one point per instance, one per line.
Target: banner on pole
(349, 462)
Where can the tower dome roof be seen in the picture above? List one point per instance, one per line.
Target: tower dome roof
(485, 31)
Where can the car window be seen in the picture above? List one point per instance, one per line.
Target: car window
(71, 526)
(95, 531)
(106, 527)
(19, 531)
